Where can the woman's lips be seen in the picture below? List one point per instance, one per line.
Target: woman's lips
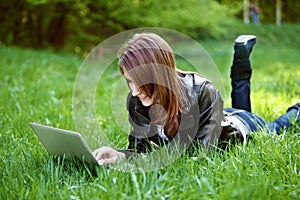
(143, 98)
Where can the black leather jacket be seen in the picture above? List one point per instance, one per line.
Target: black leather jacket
(200, 124)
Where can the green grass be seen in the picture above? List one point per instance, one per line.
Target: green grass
(37, 86)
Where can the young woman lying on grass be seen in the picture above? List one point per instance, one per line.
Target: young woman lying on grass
(167, 104)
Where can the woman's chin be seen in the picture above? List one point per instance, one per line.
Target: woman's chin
(146, 102)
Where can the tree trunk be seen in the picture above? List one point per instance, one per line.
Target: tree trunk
(56, 30)
(246, 11)
(278, 12)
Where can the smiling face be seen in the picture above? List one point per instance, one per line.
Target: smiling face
(147, 62)
(137, 92)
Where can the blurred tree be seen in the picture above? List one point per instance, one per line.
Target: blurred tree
(193, 17)
(33, 24)
(246, 11)
(278, 12)
(57, 23)
(43, 23)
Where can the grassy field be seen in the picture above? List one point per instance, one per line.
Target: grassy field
(37, 86)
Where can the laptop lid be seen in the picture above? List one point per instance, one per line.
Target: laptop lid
(63, 143)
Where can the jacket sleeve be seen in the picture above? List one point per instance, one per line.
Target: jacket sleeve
(211, 114)
(141, 132)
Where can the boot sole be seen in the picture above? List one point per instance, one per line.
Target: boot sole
(244, 39)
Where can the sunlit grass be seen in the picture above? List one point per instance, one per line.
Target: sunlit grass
(37, 86)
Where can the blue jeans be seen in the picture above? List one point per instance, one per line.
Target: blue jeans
(255, 18)
(241, 106)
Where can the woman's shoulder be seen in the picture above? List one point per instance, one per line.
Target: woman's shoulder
(191, 78)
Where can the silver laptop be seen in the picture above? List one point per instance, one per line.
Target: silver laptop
(64, 143)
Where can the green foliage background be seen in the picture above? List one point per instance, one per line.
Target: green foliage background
(79, 25)
(57, 23)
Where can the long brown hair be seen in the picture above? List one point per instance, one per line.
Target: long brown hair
(150, 63)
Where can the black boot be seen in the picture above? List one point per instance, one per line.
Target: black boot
(241, 67)
(241, 72)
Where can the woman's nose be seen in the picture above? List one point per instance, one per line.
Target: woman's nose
(135, 91)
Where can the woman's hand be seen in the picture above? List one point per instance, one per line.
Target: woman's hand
(107, 155)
